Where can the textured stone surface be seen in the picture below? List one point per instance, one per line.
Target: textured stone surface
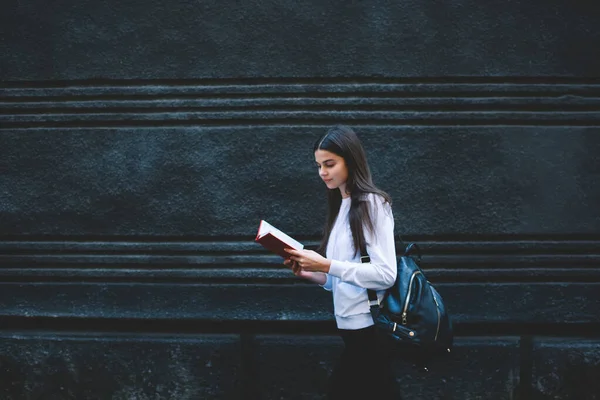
(199, 182)
(141, 143)
(479, 368)
(482, 303)
(119, 367)
(523, 303)
(297, 367)
(566, 369)
(213, 303)
(183, 39)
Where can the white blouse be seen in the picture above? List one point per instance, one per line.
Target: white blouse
(348, 278)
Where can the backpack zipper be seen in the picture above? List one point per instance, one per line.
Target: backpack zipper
(410, 286)
(437, 308)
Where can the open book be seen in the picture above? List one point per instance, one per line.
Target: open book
(274, 240)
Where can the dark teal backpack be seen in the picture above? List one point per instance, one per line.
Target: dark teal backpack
(412, 320)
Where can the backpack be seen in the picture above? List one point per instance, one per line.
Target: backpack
(411, 320)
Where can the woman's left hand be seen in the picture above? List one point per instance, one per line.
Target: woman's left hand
(309, 260)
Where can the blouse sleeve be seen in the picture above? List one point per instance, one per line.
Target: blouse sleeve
(381, 272)
(327, 284)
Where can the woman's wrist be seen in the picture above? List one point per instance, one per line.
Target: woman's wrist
(326, 265)
(318, 277)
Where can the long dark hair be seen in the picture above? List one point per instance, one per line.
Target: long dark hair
(344, 142)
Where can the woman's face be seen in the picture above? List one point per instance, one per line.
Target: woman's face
(332, 169)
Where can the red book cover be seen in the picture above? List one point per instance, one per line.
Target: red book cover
(275, 240)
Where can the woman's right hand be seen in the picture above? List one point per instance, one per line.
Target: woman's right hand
(296, 269)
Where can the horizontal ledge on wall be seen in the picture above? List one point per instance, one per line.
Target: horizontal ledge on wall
(292, 118)
(501, 245)
(262, 104)
(233, 260)
(282, 275)
(160, 329)
(302, 82)
(285, 123)
(199, 260)
(302, 103)
(474, 303)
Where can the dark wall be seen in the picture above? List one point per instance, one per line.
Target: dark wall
(142, 142)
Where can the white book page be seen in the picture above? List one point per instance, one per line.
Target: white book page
(266, 228)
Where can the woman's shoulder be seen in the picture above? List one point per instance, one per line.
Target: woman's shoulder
(375, 198)
(378, 201)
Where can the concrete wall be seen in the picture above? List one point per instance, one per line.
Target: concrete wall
(142, 142)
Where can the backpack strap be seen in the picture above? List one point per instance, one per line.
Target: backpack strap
(411, 248)
(364, 258)
(373, 299)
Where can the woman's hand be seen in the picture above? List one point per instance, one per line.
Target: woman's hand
(309, 261)
(297, 270)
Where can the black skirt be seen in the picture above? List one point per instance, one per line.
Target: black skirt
(364, 370)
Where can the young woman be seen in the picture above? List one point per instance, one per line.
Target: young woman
(359, 217)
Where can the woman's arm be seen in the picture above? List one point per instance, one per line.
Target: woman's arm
(316, 277)
(379, 274)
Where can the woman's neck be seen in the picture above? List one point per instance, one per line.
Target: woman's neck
(343, 192)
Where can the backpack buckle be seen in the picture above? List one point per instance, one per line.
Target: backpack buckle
(365, 259)
(374, 302)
